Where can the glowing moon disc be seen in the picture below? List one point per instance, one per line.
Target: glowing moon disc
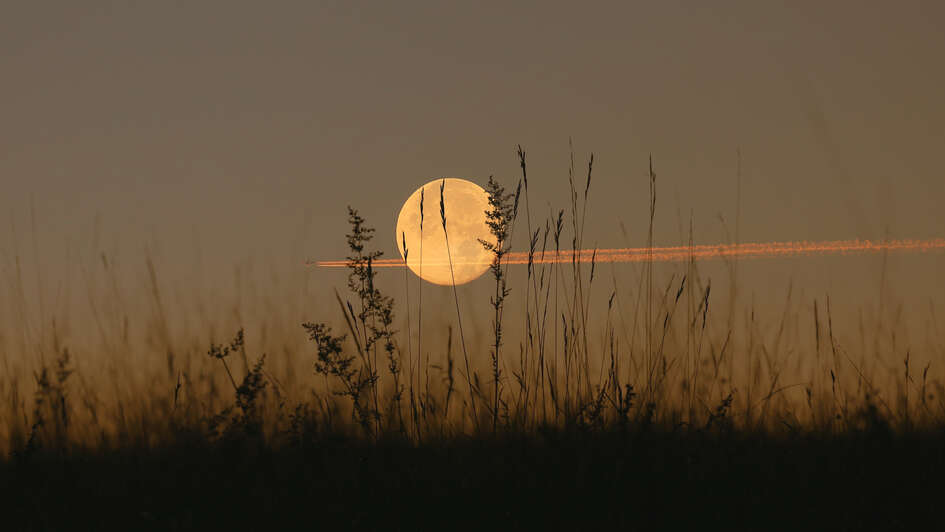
(465, 204)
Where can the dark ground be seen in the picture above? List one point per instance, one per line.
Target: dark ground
(577, 480)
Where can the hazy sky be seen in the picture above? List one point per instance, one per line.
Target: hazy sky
(231, 129)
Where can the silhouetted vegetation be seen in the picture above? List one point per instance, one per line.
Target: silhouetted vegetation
(631, 416)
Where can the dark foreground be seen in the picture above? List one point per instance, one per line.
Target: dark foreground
(640, 480)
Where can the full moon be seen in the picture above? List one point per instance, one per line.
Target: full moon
(465, 204)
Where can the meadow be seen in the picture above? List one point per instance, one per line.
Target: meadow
(564, 396)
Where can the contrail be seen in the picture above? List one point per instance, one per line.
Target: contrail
(697, 252)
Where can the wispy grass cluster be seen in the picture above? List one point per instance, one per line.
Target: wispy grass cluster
(567, 347)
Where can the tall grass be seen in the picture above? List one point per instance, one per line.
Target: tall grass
(459, 314)
(500, 218)
(629, 356)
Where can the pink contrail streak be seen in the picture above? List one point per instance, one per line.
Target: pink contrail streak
(699, 252)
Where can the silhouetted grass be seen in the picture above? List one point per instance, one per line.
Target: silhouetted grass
(633, 415)
(551, 479)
